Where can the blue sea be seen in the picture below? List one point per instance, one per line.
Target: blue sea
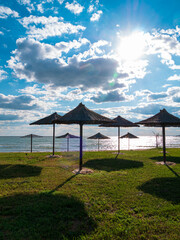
(44, 144)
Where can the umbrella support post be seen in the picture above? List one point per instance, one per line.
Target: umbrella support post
(81, 146)
(68, 145)
(53, 137)
(164, 144)
(118, 140)
(31, 143)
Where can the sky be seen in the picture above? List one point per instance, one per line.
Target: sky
(116, 57)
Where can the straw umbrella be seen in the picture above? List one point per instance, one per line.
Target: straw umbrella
(119, 122)
(98, 136)
(51, 119)
(82, 115)
(67, 136)
(129, 135)
(162, 119)
(31, 136)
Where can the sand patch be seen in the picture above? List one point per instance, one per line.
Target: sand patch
(54, 156)
(166, 163)
(83, 171)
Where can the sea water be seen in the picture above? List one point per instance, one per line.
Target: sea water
(44, 144)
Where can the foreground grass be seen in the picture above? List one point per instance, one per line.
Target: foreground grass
(127, 197)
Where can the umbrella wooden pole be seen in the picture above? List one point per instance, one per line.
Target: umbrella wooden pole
(31, 142)
(128, 144)
(164, 144)
(53, 137)
(67, 144)
(81, 146)
(98, 144)
(118, 140)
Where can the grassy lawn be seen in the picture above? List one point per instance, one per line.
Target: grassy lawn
(126, 197)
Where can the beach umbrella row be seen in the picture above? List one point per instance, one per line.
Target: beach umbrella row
(82, 115)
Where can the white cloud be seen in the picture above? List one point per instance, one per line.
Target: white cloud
(29, 6)
(40, 8)
(3, 74)
(91, 8)
(5, 12)
(175, 77)
(52, 26)
(61, 1)
(74, 7)
(96, 16)
(1, 33)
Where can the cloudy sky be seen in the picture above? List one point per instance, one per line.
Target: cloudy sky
(117, 57)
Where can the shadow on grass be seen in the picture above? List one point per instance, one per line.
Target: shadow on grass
(18, 170)
(168, 159)
(43, 216)
(166, 188)
(62, 184)
(112, 164)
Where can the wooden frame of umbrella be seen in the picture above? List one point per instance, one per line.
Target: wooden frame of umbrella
(31, 136)
(162, 119)
(67, 136)
(98, 136)
(82, 115)
(119, 122)
(129, 135)
(49, 120)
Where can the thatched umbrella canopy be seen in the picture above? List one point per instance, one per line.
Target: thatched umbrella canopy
(162, 119)
(129, 135)
(119, 122)
(82, 115)
(51, 119)
(67, 136)
(31, 136)
(98, 136)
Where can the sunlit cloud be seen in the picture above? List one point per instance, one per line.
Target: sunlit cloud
(52, 26)
(175, 77)
(3, 74)
(74, 7)
(96, 16)
(5, 12)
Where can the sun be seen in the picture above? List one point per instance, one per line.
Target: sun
(132, 47)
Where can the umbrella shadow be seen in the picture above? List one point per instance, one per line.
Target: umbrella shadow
(43, 216)
(18, 170)
(166, 188)
(62, 184)
(168, 159)
(112, 164)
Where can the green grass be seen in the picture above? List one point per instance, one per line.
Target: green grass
(127, 197)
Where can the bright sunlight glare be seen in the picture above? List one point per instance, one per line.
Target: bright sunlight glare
(132, 47)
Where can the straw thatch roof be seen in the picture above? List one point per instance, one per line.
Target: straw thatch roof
(129, 135)
(51, 119)
(120, 122)
(30, 135)
(67, 135)
(163, 118)
(82, 115)
(98, 136)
